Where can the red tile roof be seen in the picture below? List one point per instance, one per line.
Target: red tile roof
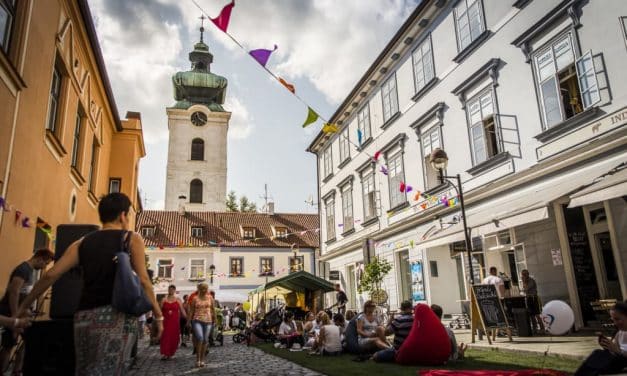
(223, 228)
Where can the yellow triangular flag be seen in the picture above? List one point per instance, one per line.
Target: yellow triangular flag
(330, 128)
(312, 116)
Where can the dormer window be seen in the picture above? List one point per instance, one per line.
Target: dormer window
(148, 232)
(197, 231)
(281, 232)
(248, 232)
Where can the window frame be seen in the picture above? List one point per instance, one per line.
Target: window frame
(497, 127)
(386, 91)
(197, 154)
(363, 117)
(327, 160)
(482, 24)
(203, 269)
(393, 186)
(426, 40)
(193, 199)
(269, 273)
(6, 35)
(169, 268)
(348, 221)
(344, 144)
(241, 264)
(282, 235)
(194, 229)
(329, 216)
(93, 166)
(55, 95)
(145, 234)
(365, 184)
(77, 137)
(248, 232)
(297, 257)
(119, 183)
(428, 133)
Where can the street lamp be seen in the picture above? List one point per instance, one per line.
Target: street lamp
(296, 266)
(267, 272)
(439, 160)
(212, 269)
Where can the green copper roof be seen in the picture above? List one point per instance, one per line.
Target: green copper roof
(185, 104)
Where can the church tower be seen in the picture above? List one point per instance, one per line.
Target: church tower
(198, 126)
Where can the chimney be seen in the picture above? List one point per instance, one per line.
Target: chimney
(182, 205)
(270, 209)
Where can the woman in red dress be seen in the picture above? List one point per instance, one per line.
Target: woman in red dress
(172, 309)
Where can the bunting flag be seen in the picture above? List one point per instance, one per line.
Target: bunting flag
(330, 128)
(25, 222)
(384, 170)
(2, 204)
(222, 21)
(402, 186)
(312, 116)
(18, 214)
(411, 243)
(287, 85)
(262, 55)
(423, 206)
(359, 136)
(417, 196)
(376, 156)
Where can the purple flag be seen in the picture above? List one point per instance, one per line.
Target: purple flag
(262, 55)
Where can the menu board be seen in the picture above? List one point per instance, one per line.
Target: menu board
(489, 304)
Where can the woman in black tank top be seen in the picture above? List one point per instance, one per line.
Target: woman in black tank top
(103, 337)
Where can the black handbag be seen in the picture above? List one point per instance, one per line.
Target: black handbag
(128, 294)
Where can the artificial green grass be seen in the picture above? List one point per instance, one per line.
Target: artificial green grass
(475, 359)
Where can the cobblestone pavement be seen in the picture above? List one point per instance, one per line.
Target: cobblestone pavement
(227, 360)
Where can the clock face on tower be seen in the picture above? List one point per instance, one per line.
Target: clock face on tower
(199, 118)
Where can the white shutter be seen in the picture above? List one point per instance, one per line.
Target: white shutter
(588, 80)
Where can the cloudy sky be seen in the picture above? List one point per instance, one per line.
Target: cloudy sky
(325, 46)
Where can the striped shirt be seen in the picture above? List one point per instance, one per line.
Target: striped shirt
(401, 325)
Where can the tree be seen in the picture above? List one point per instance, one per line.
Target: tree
(374, 274)
(244, 206)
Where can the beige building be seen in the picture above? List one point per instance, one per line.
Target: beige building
(62, 142)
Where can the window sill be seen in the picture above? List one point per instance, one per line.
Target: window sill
(568, 125)
(370, 221)
(326, 179)
(489, 164)
(330, 241)
(196, 279)
(435, 190)
(521, 3)
(236, 276)
(472, 46)
(365, 143)
(420, 93)
(391, 120)
(51, 137)
(77, 175)
(92, 197)
(344, 163)
(348, 232)
(398, 207)
(15, 81)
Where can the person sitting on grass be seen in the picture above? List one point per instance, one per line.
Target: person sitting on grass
(371, 332)
(400, 327)
(288, 335)
(329, 340)
(457, 351)
(308, 329)
(350, 314)
(613, 358)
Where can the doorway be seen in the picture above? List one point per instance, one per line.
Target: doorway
(404, 274)
(607, 263)
(352, 289)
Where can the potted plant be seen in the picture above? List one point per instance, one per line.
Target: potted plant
(371, 279)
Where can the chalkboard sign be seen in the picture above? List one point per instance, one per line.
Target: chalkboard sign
(489, 304)
(334, 275)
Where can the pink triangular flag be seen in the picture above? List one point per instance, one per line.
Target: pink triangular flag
(222, 21)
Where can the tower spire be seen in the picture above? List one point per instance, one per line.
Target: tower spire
(202, 26)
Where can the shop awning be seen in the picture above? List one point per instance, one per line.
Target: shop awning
(526, 205)
(611, 186)
(299, 282)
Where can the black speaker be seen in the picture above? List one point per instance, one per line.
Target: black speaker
(49, 348)
(66, 291)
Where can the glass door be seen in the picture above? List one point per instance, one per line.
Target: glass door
(404, 274)
(608, 265)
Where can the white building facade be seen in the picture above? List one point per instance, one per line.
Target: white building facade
(528, 101)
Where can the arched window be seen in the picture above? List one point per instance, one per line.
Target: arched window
(195, 192)
(198, 149)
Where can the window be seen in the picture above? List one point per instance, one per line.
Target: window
(347, 208)
(198, 149)
(483, 128)
(115, 185)
(430, 140)
(567, 86)
(164, 268)
(93, 166)
(55, 97)
(7, 17)
(623, 24)
(390, 98)
(395, 177)
(433, 268)
(197, 231)
(281, 232)
(423, 64)
(195, 192)
(197, 269)
(363, 122)
(297, 263)
(469, 22)
(148, 231)
(237, 266)
(76, 143)
(345, 151)
(327, 161)
(266, 265)
(248, 232)
(330, 218)
(370, 206)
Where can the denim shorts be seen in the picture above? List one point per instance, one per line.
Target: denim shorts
(202, 330)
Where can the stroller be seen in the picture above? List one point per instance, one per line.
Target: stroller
(238, 323)
(265, 330)
(217, 338)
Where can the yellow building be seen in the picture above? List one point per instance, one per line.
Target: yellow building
(62, 142)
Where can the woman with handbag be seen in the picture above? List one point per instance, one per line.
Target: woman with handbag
(104, 336)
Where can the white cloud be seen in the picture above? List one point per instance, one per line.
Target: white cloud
(241, 123)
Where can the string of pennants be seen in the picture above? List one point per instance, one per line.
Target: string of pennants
(262, 57)
(25, 221)
(252, 273)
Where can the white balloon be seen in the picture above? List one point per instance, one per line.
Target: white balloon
(558, 317)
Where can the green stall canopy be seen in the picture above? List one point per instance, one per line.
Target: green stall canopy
(298, 282)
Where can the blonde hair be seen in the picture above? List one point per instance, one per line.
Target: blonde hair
(203, 288)
(324, 318)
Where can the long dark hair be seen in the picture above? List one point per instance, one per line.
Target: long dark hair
(621, 307)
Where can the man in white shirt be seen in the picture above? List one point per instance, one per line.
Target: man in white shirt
(494, 279)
